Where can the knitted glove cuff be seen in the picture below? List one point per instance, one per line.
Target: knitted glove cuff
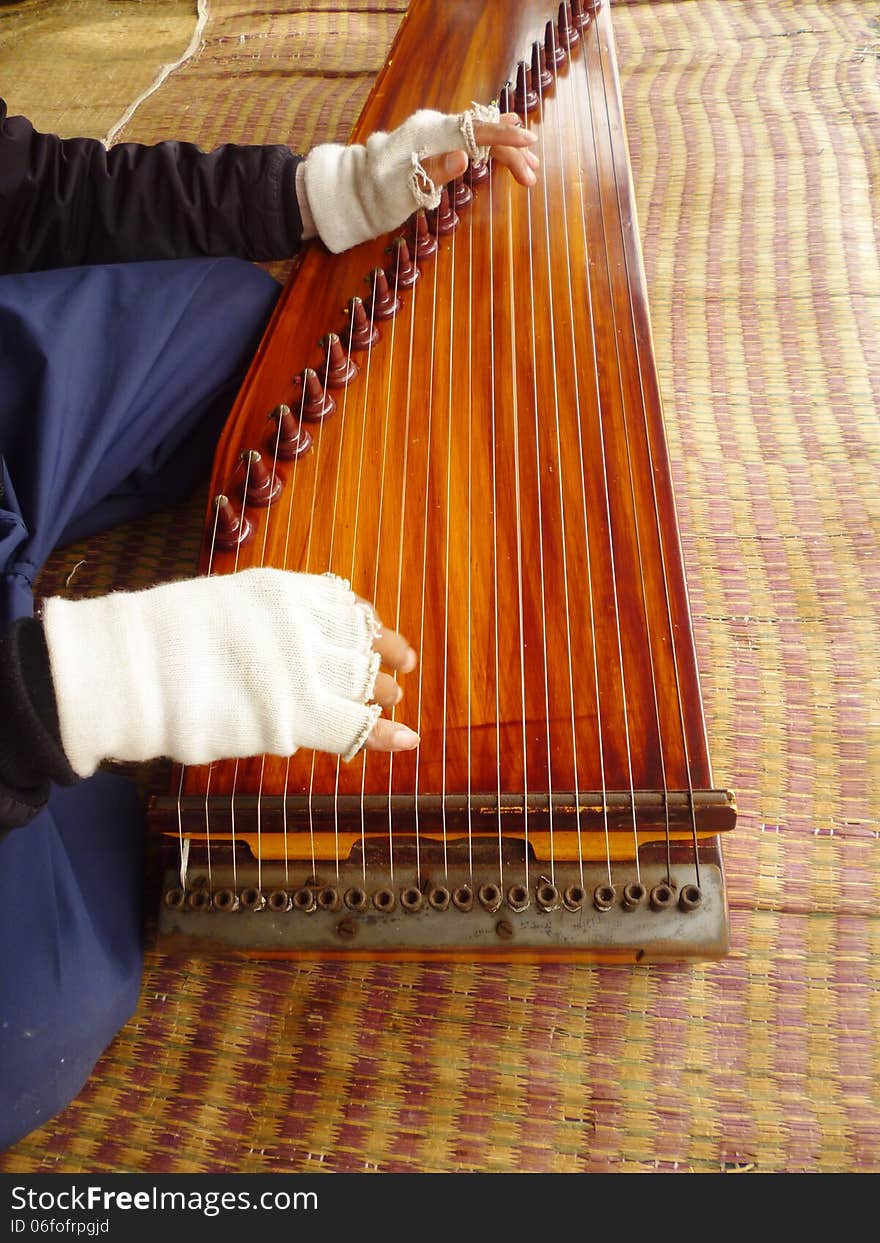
(362, 191)
(259, 662)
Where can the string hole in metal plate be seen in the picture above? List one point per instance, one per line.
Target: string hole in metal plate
(411, 898)
(603, 897)
(634, 895)
(690, 898)
(463, 898)
(357, 899)
(662, 897)
(384, 900)
(518, 897)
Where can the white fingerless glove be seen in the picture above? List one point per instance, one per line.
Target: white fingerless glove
(357, 192)
(260, 662)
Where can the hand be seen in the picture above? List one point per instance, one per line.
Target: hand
(260, 662)
(350, 194)
(509, 143)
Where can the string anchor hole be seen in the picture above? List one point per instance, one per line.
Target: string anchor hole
(304, 900)
(439, 897)
(690, 898)
(225, 900)
(463, 898)
(518, 897)
(634, 895)
(490, 897)
(603, 897)
(547, 896)
(662, 897)
(384, 900)
(328, 898)
(574, 897)
(357, 899)
(199, 900)
(251, 899)
(174, 899)
(279, 900)
(411, 898)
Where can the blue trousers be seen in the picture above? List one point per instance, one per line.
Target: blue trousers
(106, 375)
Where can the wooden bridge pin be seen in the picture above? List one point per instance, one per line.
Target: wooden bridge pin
(229, 529)
(313, 401)
(525, 97)
(339, 368)
(401, 271)
(462, 195)
(383, 303)
(423, 240)
(540, 73)
(444, 219)
(262, 485)
(291, 439)
(568, 32)
(553, 49)
(361, 333)
(580, 14)
(476, 174)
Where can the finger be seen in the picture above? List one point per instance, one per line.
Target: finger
(396, 653)
(443, 168)
(521, 167)
(386, 691)
(391, 736)
(490, 134)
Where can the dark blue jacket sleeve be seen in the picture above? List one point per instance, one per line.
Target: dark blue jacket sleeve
(65, 202)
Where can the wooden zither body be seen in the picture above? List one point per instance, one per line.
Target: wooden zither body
(467, 426)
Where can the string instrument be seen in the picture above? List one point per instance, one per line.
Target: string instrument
(464, 420)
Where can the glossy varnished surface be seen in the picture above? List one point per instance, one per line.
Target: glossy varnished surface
(495, 477)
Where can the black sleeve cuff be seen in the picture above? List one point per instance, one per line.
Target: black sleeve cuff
(31, 754)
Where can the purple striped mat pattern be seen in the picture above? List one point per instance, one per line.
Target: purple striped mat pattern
(754, 146)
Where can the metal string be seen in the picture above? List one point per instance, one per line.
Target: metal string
(446, 560)
(400, 546)
(342, 423)
(601, 429)
(577, 400)
(518, 502)
(470, 477)
(424, 557)
(660, 541)
(632, 490)
(489, 183)
(292, 490)
(560, 466)
(388, 389)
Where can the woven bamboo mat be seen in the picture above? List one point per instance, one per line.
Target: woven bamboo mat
(754, 143)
